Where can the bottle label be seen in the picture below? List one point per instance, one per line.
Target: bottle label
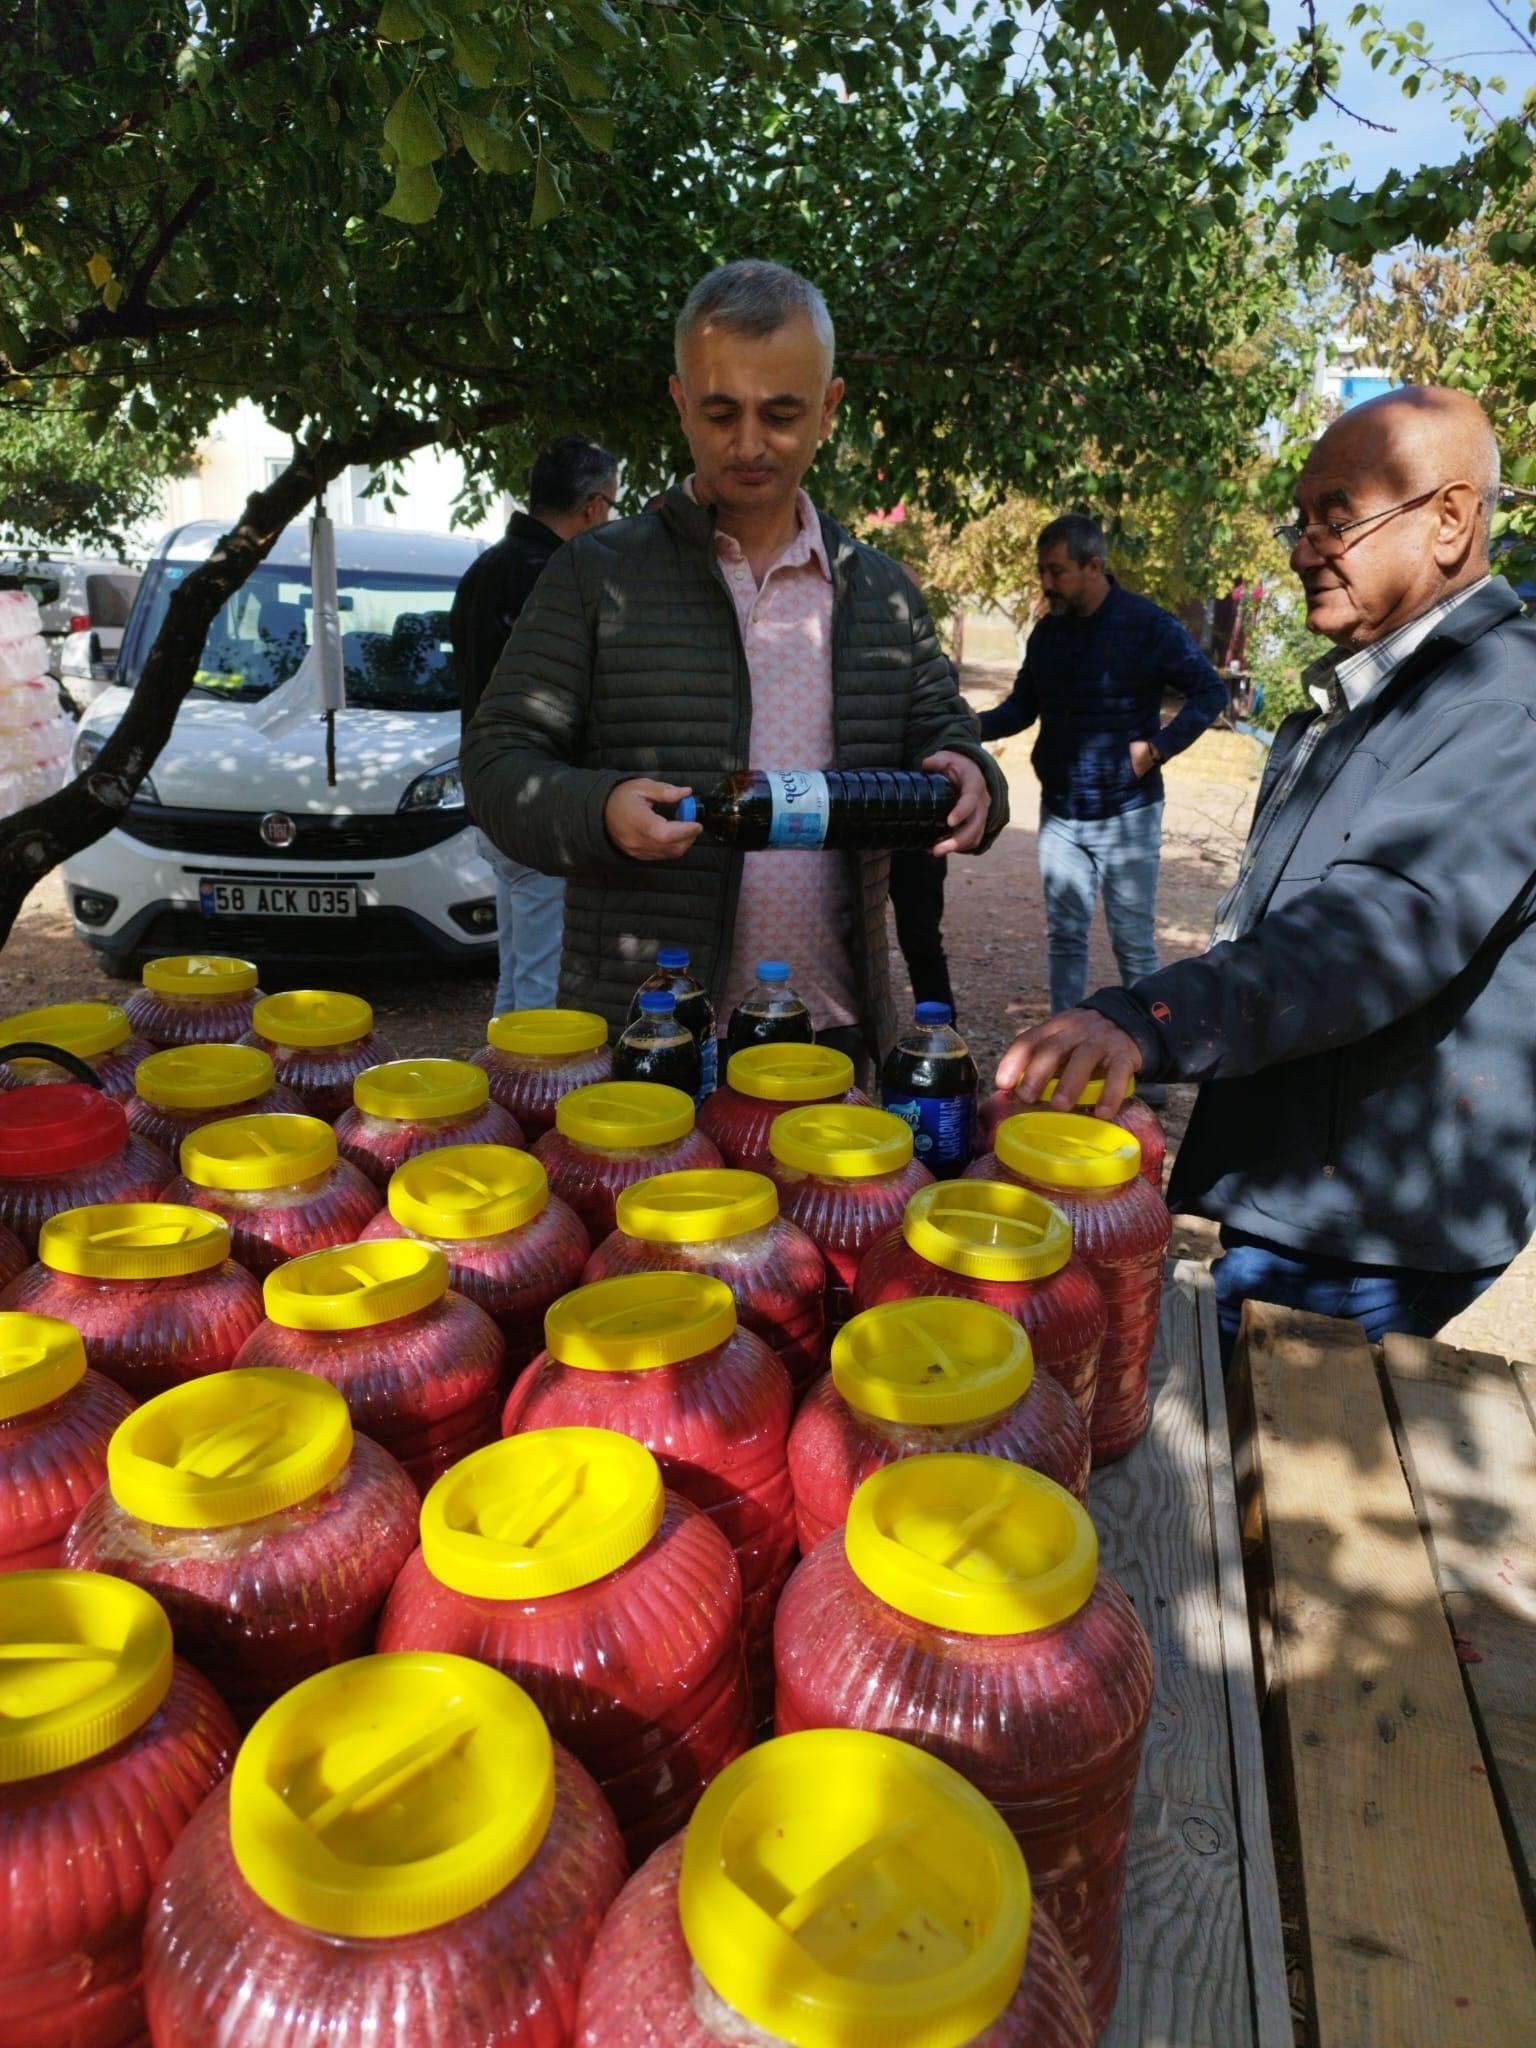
(800, 809)
(943, 1128)
(709, 1064)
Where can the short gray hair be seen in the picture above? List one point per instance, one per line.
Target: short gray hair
(757, 299)
(1084, 538)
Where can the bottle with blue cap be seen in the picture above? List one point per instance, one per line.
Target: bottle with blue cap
(658, 1046)
(929, 1080)
(770, 1013)
(695, 1013)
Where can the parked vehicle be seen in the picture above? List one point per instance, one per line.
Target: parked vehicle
(85, 604)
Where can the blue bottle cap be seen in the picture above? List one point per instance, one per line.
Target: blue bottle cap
(658, 1002)
(934, 1013)
(687, 810)
(672, 957)
(773, 970)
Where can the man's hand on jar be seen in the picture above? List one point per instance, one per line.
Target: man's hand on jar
(1069, 1050)
(637, 828)
(968, 820)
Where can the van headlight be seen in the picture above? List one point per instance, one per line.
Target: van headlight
(440, 789)
(89, 742)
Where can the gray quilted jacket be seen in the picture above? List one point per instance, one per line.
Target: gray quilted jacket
(627, 660)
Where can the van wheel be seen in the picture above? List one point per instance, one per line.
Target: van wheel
(116, 966)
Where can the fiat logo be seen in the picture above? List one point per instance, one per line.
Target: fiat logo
(277, 829)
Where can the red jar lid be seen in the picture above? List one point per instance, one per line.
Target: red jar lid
(57, 1126)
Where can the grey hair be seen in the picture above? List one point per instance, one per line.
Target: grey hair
(1084, 538)
(1492, 478)
(757, 299)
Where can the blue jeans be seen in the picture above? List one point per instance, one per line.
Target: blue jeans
(1078, 858)
(530, 923)
(1399, 1298)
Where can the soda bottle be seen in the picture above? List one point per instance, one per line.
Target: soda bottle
(837, 808)
(770, 1013)
(929, 1081)
(658, 1046)
(694, 1009)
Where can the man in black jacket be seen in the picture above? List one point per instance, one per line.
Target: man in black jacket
(1364, 1023)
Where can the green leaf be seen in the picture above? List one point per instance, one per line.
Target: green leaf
(682, 55)
(416, 197)
(548, 199)
(583, 80)
(412, 134)
(99, 270)
(595, 126)
(601, 22)
(499, 150)
(400, 21)
(112, 293)
(476, 54)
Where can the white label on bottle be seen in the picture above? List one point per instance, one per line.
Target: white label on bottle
(800, 807)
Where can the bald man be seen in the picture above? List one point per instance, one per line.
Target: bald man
(1364, 1023)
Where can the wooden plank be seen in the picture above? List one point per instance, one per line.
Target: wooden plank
(1416, 1933)
(1469, 1450)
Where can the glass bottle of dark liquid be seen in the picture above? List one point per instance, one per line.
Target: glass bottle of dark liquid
(770, 1013)
(694, 1009)
(658, 1046)
(929, 1081)
(838, 808)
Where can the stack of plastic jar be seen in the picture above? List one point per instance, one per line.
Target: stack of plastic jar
(763, 1081)
(108, 1746)
(1133, 1115)
(419, 1367)
(66, 1146)
(727, 1222)
(834, 1887)
(279, 1185)
(319, 1041)
(179, 1091)
(612, 1134)
(558, 1558)
(512, 1247)
(409, 1107)
(533, 1057)
(194, 999)
(98, 1034)
(150, 1286)
(1091, 1170)
(55, 1422)
(402, 1855)
(914, 1377)
(268, 1532)
(965, 1610)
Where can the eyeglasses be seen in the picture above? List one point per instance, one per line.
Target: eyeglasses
(1325, 536)
(604, 499)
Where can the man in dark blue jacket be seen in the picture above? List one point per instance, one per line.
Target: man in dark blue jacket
(1095, 673)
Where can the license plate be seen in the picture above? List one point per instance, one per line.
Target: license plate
(277, 899)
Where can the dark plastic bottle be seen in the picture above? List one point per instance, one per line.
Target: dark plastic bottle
(839, 808)
(770, 1013)
(929, 1081)
(694, 1009)
(658, 1046)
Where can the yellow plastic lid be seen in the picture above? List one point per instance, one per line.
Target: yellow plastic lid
(356, 1286)
(252, 1154)
(639, 1321)
(404, 1090)
(971, 1544)
(1090, 1093)
(933, 1359)
(133, 1241)
(312, 1017)
(790, 1073)
(467, 1191)
(85, 1029)
(546, 1034)
(200, 974)
(391, 1794)
(696, 1207)
(204, 1076)
(624, 1116)
(987, 1229)
(40, 1360)
(541, 1513)
(229, 1448)
(84, 1660)
(845, 1890)
(1068, 1151)
(841, 1140)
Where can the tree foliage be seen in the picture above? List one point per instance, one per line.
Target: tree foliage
(62, 488)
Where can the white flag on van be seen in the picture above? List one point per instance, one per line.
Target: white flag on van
(317, 688)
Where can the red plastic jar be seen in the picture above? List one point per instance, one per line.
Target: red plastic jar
(55, 1420)
(402, 1859)
(612, 1134)
(533, 1057)
(743, 1929)
(319, 1041)
(108, 1747)
(413, 1106)
(177, 1092)
(151, 1288)
(512, 1247)
(761, 1082)
(97, 1033)
(1091, 1171)
(279, 1185)
(194, 999)
(419, 1367)
(559, 1558)
(65, 1148)
(914, 1377)
(1133, 1115)
(965, 1610)
(726, 1222)
(13, 1257)
(268, 1532)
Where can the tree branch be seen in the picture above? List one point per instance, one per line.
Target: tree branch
(161, 247)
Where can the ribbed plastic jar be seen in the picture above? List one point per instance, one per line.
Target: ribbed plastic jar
(1133, 1115)
(1009, 1248)
(559, 1558)
(13, 1257)
(177, 1092)
(65, 1148)
(55, 1421)
(98, 1033)
(761, 1082)
(726, 1222)
(319, 1041)
(965, 1611)
(151, 1288)
(533, 1057)
(278, 1183)
(268, 1532)
(833, 1888)
(108, 1746)
(409, 1107)
(914, 1377)
(512, 1247)
(194, 999)
(612, 1134)
(402, 1858)
(420, 1367)
(1091, 1171)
